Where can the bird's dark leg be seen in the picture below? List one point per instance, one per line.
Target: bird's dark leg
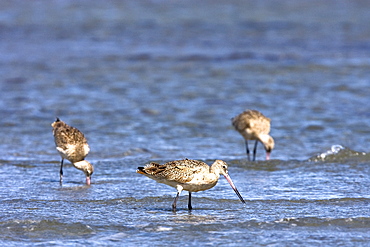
(61, 172)
(246, 145)
(175, 201)
(255, 150)
(189, 203)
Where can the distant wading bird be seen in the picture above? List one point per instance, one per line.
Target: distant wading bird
(189, 175)
(253, 125)
(72, 145)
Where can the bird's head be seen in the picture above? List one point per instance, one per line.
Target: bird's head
(268, 143)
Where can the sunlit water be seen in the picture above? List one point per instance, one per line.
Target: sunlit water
(160, 80)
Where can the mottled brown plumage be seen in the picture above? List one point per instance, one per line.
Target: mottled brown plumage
(253, 125)
(189, 175)
(72, 145)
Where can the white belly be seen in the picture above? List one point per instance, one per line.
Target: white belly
(200, 182)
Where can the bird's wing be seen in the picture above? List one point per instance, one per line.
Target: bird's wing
(68, 135)
(177, 171)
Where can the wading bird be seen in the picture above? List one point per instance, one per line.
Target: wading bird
(253, 125)
(189, 175)
(72, 145)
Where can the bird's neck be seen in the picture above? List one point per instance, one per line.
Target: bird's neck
(82, 165)
(264, 138)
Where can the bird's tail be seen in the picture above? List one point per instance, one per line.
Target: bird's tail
(151, 169)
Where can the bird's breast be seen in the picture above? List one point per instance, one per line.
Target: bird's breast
(74, 152)
(198, 187)
(201, 182)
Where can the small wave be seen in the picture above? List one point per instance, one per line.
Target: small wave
(19, 229)
(356, 222)
(338, 153)
(335, 149)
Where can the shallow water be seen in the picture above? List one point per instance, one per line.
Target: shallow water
(160, 80)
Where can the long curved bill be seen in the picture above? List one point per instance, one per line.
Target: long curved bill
(268, 154)
(234, 188)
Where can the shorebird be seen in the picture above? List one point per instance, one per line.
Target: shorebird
(253, 125)
(189, 175)
(72, 145)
